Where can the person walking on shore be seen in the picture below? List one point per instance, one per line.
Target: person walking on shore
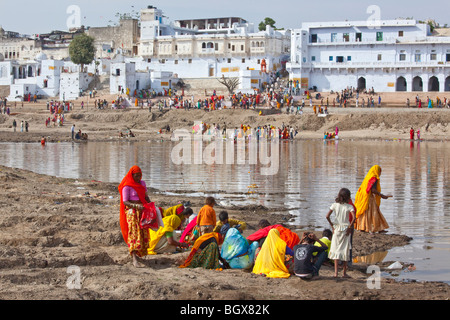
(73, 131)
(14, 125)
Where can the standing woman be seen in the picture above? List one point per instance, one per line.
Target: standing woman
(133, 197)
(367, 202)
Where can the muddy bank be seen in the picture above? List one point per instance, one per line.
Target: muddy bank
(48, 224)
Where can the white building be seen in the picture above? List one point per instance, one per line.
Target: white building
(209, 48)
(396, 55)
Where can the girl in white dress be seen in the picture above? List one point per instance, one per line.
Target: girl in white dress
(342, 227)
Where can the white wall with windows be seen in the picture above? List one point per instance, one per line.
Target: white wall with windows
(397, 56)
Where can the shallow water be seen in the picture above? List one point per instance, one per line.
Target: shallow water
(309, 175)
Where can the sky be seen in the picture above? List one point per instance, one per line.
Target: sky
(43, 16)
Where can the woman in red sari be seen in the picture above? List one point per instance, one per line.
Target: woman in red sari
(133, 197)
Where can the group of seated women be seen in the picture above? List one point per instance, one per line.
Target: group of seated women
(269, 251)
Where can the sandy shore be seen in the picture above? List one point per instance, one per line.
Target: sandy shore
(48, 223)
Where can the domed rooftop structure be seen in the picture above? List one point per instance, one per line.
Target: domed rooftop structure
(41, 56)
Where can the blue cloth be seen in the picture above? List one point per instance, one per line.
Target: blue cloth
(237, 251)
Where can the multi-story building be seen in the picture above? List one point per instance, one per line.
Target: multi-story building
(210, 47)
(393, 55)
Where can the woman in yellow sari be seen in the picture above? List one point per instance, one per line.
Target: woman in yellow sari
(271, 260)
(367, 202)
(162, 240)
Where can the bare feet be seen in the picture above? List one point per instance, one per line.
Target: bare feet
(136, 263)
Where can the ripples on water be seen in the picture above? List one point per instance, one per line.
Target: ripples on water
(309, 177)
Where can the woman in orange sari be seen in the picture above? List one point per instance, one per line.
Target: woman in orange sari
(133, 197)
(367, 202)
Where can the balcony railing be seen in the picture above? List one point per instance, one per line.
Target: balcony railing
(380, 64)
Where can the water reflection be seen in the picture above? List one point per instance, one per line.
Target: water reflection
(373, 258)
(309, 176)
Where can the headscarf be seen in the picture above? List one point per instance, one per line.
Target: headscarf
(170, 224)
(270, 260)
(261, 233)
(140, 190)
(288, 236)
(176, 210)
(364, 191)
(233, 245)
(197, 245)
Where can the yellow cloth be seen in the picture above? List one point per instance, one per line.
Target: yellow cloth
(362, 196)
(171, 211)
(325, 241)
(232, 223)
(270, 260)
(170, 224)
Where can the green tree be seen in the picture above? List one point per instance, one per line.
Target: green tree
(267, 21)
(82, 50)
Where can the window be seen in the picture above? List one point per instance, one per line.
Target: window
(340, 59)
(379, 58)
(117, 72)
(448, 57)
(232, 48)
(216, 46)
(242, 47)
(346, 37)
(433, 56)
(349, 58)
(190, 61)
(333, 37)
(314, 38)
(313, 58)
(175, 61)
(204, 45)
(400, 33)
(330, 58)
(358, 37)
(379, 36)
(402, 57)
(417, 57)
(243, 60)
(259, 61)
(229, 60)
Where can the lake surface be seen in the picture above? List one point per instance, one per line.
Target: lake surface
(308, 177)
